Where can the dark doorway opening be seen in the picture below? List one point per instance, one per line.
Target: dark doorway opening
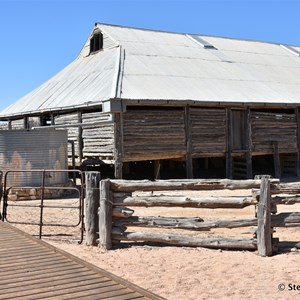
(209, 167)
(263, 165)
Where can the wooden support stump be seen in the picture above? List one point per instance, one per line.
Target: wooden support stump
(264, 230)
(277, 166)
(105, 216)
(92, 180)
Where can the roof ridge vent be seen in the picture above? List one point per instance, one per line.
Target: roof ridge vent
(290, 49)
(200, 41)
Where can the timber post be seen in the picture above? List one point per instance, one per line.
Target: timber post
(229, 162)
(277, 167)
(118, 145)
(188, 140)
(92, 180)
(79, 137)
(264, 229)
(297, 112)
(105, 216)
(248, 143)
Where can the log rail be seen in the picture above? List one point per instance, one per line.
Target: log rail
(119, 197)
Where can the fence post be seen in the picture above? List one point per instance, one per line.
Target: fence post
(264, 229)
(92, 180)
(105, 216)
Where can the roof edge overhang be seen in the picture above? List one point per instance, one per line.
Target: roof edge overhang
(118, 105)
(66, 109)
(185, 102)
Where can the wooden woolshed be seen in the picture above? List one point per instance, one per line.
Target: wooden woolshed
(149, 104)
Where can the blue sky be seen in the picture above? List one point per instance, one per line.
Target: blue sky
(40, 37)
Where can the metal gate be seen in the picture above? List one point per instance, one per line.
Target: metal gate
(44, 206)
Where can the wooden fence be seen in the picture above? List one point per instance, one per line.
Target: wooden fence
(118, 196)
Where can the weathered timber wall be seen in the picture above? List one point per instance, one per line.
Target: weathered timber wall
(98, 140)
(17, 124)
(3, 126)
(270, 127)
(71, 118)
(208, 131)
(153, 134)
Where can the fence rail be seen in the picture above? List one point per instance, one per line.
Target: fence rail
(118, 197)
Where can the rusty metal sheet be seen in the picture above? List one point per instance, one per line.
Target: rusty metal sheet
(32, 269)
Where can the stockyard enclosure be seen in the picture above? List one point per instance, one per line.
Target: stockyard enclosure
(213, 213)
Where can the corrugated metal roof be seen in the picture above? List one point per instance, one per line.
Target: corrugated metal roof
(170, 66)
(84, 82)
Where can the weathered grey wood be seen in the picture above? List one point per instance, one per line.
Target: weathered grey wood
(249, 144)
(183, 240)
(154, 134)
(277, 167)
(205, 135)
(105, 215)
(183, 201)
(285, 200)
(188, 141)
(118, 146)
(199, 184)
(267, 127)
(157, 165)
(122, 212)
(292, 188)
(264, 230)
(92, 180)
(79, 137)
(229, 173)
(297, 112)
(183, 223)
(286, 220)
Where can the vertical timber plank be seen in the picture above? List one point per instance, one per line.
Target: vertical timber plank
(248, 144)
(277, 168)
(79, 137)
(118, 153)
(264, 229)
(157, 165)
(229, 144)
(189, 158)
(92, 180)
(297, 112)
(105, 216)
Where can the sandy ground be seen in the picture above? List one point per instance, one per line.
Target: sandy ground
(199, 273)
(189, 273)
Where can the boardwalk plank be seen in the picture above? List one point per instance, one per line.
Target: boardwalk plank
(32, 269)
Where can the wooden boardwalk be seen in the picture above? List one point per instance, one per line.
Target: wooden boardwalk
(32, 269)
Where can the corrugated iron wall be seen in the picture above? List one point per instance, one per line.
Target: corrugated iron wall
(32, 150)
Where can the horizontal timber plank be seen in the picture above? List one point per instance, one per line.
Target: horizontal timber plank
(182, 201)
(286, 220)
(200, 184)
(183, 240)
(183, 223)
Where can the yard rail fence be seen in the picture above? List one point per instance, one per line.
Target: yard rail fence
(117, 197)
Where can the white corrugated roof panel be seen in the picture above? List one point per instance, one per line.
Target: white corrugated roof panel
(173, 67)
(170, 66)
(83, 82)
